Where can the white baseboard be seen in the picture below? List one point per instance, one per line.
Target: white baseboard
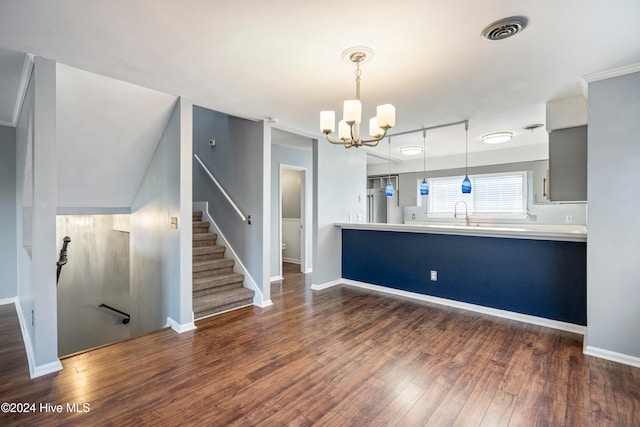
(34, 370)
(265, 303)
(308, 270)
(326, 285)
(612, 356)
(258, 298)
(291, 260)
(180, 328)
(540, 321)
(276, 278)
(48, 368)
(5, 301)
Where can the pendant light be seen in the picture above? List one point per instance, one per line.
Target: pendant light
(424, 186)
(466, 182)
(389, 188)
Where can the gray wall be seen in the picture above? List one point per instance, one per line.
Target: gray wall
(237, 162)
(613, 271)
(97, 272)
(281, 155)
(8, 231)
(291, 185)
(340, 181)
(156, 258)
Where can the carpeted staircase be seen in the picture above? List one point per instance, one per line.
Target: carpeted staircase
(216, 288)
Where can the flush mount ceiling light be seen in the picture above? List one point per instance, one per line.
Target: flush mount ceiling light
(411, 150)
(504, 28)
(349, 126)
(497, 137)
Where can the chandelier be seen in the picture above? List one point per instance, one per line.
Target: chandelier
(349, 126)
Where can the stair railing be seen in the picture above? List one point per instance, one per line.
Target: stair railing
(224, 193)
(126, 315)
(62, 260)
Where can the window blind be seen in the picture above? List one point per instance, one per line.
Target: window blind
(491, 194)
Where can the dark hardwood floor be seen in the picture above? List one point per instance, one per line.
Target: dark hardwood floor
(339, 357)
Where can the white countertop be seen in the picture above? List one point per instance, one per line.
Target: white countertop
(567, 233)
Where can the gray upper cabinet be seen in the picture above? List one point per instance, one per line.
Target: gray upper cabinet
(568, 164)
(408, 189)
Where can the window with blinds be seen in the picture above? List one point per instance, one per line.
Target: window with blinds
(495, 194)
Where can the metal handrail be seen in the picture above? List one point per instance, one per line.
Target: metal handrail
(224, 193)
(126, 315)
(62, 261)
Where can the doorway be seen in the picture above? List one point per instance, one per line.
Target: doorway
(292, 218)
(93, 289)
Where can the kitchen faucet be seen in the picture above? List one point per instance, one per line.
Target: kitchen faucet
(466, 211)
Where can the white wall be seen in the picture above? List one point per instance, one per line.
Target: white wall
(37, 297)
(613, 247)
(299, 158)
(8, 231)
(160, 258)
(340, 190)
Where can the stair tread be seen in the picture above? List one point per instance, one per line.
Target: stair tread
(197, 223)
(230, 296)
(225, 277)
(204, 236)
(224, 262)
(212, 249)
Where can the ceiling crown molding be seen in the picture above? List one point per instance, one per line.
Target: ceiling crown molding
(615, 72)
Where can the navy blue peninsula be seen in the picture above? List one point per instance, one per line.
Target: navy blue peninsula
(539, 272)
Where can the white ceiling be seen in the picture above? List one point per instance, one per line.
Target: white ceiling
(281, 59)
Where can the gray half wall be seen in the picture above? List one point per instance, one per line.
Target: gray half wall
(613, 247)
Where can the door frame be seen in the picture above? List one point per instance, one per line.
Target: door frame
(304, 211)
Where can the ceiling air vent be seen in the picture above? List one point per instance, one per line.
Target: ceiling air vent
(504, 28)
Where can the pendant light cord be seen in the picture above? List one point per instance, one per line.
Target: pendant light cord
(466, 149)
(424, 154)
(389, 162)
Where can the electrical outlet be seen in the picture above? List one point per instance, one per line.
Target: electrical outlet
(533, 218)
(434, 276)
(569, 218)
